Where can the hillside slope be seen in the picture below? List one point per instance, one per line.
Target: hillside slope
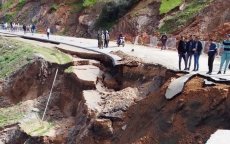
(132, 17)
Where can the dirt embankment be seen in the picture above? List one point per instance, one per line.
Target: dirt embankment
(143, 18)
(212, 22)
(122, 104)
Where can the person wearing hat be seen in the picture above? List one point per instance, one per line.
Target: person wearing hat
(225, 57)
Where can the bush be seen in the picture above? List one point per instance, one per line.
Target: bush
(168, 5)
(88, 3)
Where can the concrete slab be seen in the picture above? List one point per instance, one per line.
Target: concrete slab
(74, 49)
(208, 83)
(220, 137)
(80, 61)
(87, 73)
(177, 86)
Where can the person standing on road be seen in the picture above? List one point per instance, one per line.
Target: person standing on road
(48, 33)
(11, 26)
(100, 38)
(24, 28)
(212, 51)
(225, 57)
(197, 52)
(164, 39)
(33, 29)
(190, 52)
(182, 52)
(106, 40)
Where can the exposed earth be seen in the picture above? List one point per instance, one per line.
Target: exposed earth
(95, 102)
(83, 18)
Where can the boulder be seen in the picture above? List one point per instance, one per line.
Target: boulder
(102, 128)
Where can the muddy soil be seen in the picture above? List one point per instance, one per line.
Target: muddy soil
(125, 104)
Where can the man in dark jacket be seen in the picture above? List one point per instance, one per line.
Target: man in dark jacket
(24, 28)
(197, 52)
(211, 55)
(164, 39)
(190, 52)
(182, 52)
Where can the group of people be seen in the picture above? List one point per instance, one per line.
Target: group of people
(193, 49)
(25, 28)
(103, 38)
(11, 26)
(30, 28)
(17, 27)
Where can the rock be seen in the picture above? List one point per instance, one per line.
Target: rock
(180, 105)
(124, 127)
(35, 110)
(110, 82)
(177, 86)
(102, 128)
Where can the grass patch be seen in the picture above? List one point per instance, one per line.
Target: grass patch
(11, 115)
(37, 127)
(53, 55)
(168, 5)
(183, 17)
(15, 54)
(69, 69)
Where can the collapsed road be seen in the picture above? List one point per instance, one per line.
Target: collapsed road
(94, 101)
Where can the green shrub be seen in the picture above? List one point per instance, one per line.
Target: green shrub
(88, 3)
(168, 5)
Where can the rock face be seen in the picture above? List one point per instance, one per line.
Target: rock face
(144, 18)
(141, 19)
(213, 21)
